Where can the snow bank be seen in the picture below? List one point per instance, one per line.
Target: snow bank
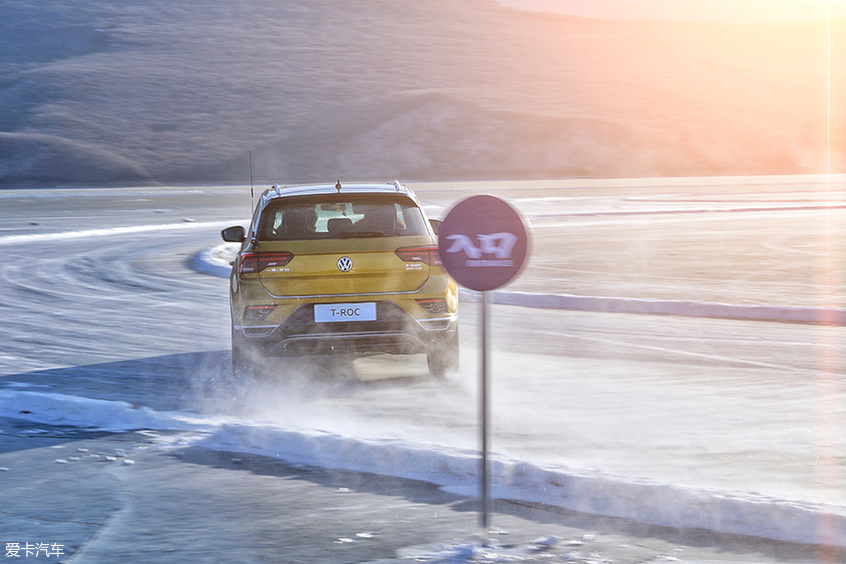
(214, 261)
(671, 307)
(187, 224)
(458, 470)
(614, 496)
(117, 416)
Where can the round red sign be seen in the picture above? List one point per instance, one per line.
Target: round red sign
(483, 243)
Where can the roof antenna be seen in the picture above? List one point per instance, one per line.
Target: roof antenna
(251, 181)
(338, 186)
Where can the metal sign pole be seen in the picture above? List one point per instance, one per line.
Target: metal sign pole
(484, 412)
(483, 243)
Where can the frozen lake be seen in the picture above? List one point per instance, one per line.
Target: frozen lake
(729, 424)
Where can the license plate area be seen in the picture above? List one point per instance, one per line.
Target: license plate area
(339, 313)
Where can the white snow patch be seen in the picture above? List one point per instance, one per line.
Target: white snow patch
(456, 470)
(490, 551)
(13, 384)
(670, 307)
(60, 409)
(216, 260)
(110, 231)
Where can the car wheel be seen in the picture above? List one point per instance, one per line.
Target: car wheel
(442, 356)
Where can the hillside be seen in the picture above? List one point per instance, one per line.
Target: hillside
(181, 91)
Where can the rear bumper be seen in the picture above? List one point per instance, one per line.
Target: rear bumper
(394, 332)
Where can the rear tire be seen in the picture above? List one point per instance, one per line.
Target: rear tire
(443, 356)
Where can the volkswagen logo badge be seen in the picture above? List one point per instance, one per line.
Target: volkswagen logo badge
(345, 264)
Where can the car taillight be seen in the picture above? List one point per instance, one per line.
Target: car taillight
(256, 262)
(427, 255)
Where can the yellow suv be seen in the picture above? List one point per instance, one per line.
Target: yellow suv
(332, 269)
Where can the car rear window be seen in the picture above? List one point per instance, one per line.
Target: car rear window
(340, 217)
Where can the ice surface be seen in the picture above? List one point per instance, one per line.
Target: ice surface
(655, 501)
(457, 470)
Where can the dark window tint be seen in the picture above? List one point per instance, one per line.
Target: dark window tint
(340, 217)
